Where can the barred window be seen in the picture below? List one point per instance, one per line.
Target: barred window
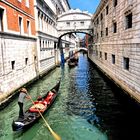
(13, 65)
(26, 61)
(113, 59)
(106, 31)
(128, 21)
(114, 27)
(107, 10)
(68, 23)
(126, 63)
(101, 33)
(82, 23)
(101, 16)
(105, 56)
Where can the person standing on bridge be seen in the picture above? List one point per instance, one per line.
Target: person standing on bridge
(22, 95)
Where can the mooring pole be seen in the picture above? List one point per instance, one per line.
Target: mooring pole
(60, 47)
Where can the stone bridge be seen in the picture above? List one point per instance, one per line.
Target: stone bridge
(73, 21)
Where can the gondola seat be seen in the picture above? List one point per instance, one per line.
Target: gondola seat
(38, 107)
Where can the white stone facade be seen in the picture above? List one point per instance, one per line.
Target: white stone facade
(117, 43)
(74, 20)
(24, 56)
(47, 33)
(17, 62)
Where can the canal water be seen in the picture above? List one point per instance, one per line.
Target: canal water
(88, 107)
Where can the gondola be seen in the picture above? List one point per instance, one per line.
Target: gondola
(32, 115)
(72, 62)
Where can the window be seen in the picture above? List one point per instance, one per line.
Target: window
(35, 58)
(82, 23)
(126, 63)
(26, 61)
(1, 19)
(55, 45)
(27, 3)
(128, 20)
(68, 23)
(106, 31)
(43, 44)
(114, 27)
(40, 44)
(113, 59)
(107, 10)
(28, 27)
(101, 33)
(115, 2)
(20, 25)
(101, 16)
(105, 56)
(13, 65)
(97, 21)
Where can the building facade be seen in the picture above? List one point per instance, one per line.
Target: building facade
(18, 45)
(117, 43)
(46, 13)
(28, 37)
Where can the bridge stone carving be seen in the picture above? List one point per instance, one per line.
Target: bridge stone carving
(74, 21)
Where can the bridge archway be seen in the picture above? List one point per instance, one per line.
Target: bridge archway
(59, 45)
(73, 21)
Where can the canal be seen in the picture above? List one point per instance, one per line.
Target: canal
(89, 107)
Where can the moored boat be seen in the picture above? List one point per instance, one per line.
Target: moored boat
(73, 62)
(32, 114)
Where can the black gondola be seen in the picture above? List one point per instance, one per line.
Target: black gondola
(72, 62)
(32, 115)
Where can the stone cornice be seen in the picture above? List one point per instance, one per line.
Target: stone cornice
(11, 36)
(77, 11)
(53, 19)
(41, 34)
(100, 7)
(47, 7)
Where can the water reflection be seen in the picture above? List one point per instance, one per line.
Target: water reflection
(72, 116)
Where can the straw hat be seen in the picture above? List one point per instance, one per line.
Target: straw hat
(23, 90)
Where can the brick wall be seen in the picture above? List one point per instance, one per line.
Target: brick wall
(13, 10)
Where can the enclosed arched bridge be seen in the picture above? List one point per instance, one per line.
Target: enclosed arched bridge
(73, 21)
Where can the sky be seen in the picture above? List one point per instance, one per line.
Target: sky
(84, 5)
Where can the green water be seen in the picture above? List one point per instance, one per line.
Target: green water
(68, 115)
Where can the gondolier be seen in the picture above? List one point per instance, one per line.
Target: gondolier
(36, 110)
(22, 96)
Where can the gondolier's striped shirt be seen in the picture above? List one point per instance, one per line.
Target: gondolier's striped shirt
(21, 97)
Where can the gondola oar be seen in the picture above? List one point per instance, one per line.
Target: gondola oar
(56, 136)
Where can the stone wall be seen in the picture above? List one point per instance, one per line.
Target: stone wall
(18, 64)
(118, 53)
